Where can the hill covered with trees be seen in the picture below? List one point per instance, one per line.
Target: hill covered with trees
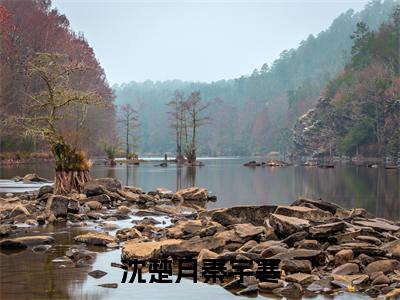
(359, 111)
(255, 113)
(29, 27)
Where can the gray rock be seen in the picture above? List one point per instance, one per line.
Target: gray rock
(97, 274)
(284, 225)
(26, 241)
(301, 212)
(346, 269)
(327, 206)
(296, 266)
(103, 198)
(45, 189)
(110, 184)
(58, 205)
(326, 230)
(92, 189)
(384, 265)
(253, 214)
(292, 290)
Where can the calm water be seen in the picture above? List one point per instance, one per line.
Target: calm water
(375, 189)
(29, 275)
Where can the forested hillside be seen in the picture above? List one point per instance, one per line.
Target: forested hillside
(359, 112)
(28, 27)
(255, 113)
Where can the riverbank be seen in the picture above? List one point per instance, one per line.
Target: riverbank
(322, 247)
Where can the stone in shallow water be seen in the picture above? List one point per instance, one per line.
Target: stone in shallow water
(252, 289)
(41, 248)
(301, 278)
(292, 290)
(97, 274)
(323, 285)
(269, 286)
(26, 241)
(95, 238)
(109, 285)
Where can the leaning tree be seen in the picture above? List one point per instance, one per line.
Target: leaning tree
(51, 103)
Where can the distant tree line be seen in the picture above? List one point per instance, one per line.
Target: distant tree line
(255, 113)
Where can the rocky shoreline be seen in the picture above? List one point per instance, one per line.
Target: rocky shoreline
(322, 248)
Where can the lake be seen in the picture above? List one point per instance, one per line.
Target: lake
(30, 275)
(375, 189)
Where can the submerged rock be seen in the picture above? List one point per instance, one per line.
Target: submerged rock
(97, 274)
(26, 241)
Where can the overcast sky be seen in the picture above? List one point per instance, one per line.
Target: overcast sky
(195, 40)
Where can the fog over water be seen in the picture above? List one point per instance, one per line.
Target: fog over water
(195, 40)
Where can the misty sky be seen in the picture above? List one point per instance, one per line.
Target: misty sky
(195, 40)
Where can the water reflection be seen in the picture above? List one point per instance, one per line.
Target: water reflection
(376, 189)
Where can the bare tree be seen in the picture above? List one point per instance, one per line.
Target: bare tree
(195, 108)
(128, 118)
(52, 103)
(178, 122)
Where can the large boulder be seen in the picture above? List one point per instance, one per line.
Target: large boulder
(95, 238)
(301, 212)
(45, 189)
(93, 189)
(326, 230)
(285, 226)
(144, 250)
(193, 193)
(26, 241)
(253, 214)
(110, 184)
(58, 205)
(185, 228)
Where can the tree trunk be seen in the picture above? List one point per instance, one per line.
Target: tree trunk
(69, 181)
